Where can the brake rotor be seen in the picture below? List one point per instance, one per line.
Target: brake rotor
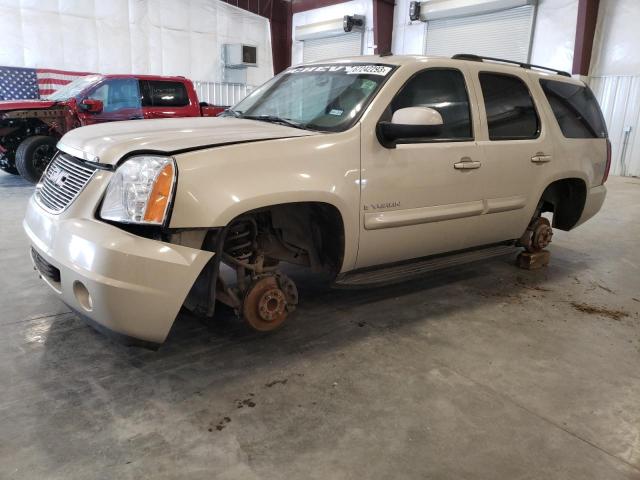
(265, 305)
(542, 234)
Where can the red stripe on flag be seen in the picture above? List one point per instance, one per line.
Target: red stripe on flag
(46, 91)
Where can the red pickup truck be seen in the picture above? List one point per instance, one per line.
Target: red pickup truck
(30, 129)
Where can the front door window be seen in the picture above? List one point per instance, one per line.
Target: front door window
(120, 99)
(443, 90)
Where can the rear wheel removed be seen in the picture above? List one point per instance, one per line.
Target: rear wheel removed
(538, 235)
(535, 240)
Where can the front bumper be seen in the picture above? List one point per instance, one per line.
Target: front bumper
(127, 285)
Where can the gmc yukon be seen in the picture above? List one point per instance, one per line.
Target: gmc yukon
(373, 169)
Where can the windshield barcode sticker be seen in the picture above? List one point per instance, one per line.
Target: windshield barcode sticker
(381, 70)
(367, 69)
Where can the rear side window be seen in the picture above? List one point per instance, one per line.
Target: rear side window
(159, 93)
(576, 109)
(511, 114)
(445, 91)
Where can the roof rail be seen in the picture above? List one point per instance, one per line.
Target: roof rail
(529, 66)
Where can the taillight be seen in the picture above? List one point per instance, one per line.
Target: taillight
(608, 165)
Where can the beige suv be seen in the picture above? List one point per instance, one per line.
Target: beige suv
(374, 169)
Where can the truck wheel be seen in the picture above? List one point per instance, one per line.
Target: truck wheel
(33, 155)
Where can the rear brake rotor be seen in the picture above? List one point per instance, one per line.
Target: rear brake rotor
(542, 233)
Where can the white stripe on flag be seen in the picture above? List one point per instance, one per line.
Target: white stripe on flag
(58, 76)
(46, 86)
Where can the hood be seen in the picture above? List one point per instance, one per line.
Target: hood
(109, 142)
(5, 106)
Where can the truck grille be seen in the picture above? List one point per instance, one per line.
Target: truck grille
(62, 182)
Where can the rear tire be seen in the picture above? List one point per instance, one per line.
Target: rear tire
(33, 155)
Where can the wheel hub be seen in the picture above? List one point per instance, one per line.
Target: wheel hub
(41, 157)
(542, 234)
(272, 304)
(268, 302)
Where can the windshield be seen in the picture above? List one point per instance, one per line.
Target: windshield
(319, 97)
(72, 89)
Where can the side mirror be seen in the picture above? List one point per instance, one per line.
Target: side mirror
(91, 105)
(410, 123)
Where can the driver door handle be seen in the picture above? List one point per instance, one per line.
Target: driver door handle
(466, 164)
(541, 158)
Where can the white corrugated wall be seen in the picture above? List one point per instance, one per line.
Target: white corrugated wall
(615, 79)
(619, 98)
(160, 37)
(225, 94)
(347, 45)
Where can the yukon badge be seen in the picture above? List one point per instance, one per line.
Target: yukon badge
(382, 206)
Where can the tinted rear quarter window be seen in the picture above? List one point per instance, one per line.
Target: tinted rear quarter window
(511, 114)
(159, 93)
(575, 108)
(443, 90)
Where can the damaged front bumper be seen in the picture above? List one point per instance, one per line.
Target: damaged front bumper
(125, 285)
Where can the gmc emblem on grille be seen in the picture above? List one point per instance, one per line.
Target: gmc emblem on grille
(57, 176)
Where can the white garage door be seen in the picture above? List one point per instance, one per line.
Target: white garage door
(503, 34)
(347, 45)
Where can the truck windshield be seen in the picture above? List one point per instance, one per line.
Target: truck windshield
(74, 88)
(319, 97)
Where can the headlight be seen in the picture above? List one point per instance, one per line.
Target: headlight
(140, 191)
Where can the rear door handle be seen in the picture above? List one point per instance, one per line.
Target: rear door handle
(466, 164)
(541, 158)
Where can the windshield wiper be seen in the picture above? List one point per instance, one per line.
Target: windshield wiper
(275, 119)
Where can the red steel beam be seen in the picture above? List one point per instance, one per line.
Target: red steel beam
(304, 5)
(383, 25)
(585, 31)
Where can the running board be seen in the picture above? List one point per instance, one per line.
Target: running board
(405, 271)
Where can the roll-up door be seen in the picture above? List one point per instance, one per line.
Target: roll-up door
(502, 34)
(349, 44)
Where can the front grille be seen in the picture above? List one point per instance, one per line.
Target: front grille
(62, 182)
(44, 267)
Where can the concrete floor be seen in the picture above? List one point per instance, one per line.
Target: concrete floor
(485, 372)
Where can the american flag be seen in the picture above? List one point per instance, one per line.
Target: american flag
(24, 83)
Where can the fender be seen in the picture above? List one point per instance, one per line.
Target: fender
(219, 184)
(565, 217)
(564, 175)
